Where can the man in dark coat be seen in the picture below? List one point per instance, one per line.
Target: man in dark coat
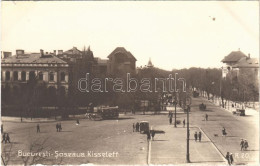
(60, 128)
(3, 139)
(137, 127)
(242, 144)
(7, 138)
(231, 158)
(183, 122)
(228, 158)
(133, 127)
(148, 135)
(153, 134)
(245, 144)
(200, 136)
(196, 136)
(57, 127)
(38, 128)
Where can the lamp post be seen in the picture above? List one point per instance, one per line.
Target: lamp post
(188, 100)
(175, 103)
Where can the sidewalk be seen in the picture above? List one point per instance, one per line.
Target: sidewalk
(229, 108)
(170, 148)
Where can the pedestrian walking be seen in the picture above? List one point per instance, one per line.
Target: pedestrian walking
(137, 127)
(224, 133)
(153, 134)
(57, 127)
(133, 127)
(200, 136)
(183, 122)
(60, 128)
(231, 158)
(206, 117)
(2, 128)
(242, 144)
(7, 139)
(228, 158)
(3, 138)
(246, 144)
(196, 136)
(170, 120)
(148, 135)
(38, 128)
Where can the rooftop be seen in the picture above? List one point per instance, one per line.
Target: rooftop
(32, 58)
(122, 50)
(247, 62)
(234, 56)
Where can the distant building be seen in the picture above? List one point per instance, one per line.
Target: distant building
(121, 61)
(237, 62)
(45, 67)
(150, 64)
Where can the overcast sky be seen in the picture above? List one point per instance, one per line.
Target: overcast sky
(173, 34)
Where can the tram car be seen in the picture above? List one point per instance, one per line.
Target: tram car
(103, 112)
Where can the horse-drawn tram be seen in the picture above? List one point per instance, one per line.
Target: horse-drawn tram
(103, 112)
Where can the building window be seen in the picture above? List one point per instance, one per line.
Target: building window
(31, 75)
(40, 76)
(23, 75)
(51, 76)
(62, 76)
(7, 75)
(15, 75)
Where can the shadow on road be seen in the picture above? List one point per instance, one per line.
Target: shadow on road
(205, 161)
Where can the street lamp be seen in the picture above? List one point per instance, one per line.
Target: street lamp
(175, 103)
(188, 103)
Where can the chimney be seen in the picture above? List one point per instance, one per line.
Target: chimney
(60, 52)
(19, 52)
(248, 56)
(42, 52)
(54, 52)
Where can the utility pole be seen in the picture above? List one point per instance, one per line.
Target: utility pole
(175, 102)
(188, 137)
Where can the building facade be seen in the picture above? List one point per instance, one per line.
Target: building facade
(43, 67)
(121, 61)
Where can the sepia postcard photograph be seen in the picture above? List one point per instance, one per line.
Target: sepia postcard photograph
(129, 83)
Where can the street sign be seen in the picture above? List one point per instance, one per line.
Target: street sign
(188, 101)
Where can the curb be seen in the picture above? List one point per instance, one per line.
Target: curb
(212, 143)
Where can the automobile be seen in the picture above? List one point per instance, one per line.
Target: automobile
(144, 126)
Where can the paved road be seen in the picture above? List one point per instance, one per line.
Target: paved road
(132, 147)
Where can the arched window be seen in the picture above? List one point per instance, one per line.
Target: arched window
(40, 76)
(23, 75)
(7, 75)
(31, 75)
(15, 75)
(51, 76)
(62, 76)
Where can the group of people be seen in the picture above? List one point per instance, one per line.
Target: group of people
(150, 133)
(136, 127)
(229, 158)
(6, 138)
(58, 127)
(197, 136)
(244, 144)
